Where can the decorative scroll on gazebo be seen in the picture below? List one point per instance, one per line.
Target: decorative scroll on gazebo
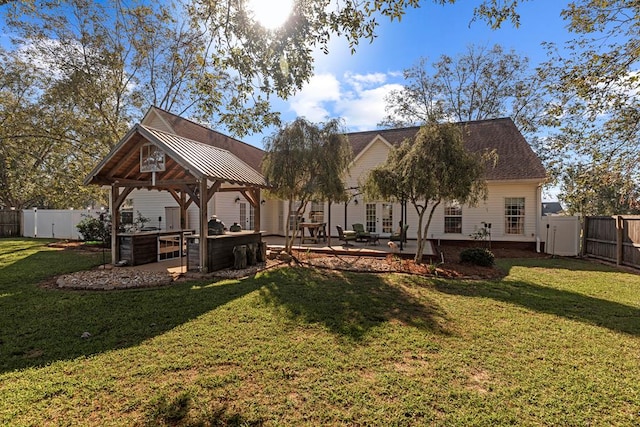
(191, 171)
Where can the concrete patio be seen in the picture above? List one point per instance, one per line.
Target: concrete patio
(335, 245)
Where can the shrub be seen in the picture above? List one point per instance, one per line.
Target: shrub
(92, 229)
(477, 256)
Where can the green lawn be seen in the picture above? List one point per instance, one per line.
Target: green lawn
(556, 342)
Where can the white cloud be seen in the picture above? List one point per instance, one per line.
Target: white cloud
(366, 108)
(361, 81)
(311, 101)
(358, 99)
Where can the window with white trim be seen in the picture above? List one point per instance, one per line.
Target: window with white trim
(317, 212)
(453, 218)
(514, 215)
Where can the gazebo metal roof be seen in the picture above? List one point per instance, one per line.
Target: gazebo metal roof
(187, 162)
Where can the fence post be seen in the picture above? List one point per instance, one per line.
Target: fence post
(619, 236)
(584, 224)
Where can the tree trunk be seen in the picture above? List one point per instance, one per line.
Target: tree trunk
(287, 226)
(423, 237)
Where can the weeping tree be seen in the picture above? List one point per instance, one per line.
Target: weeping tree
(306, 162)
(431, 168)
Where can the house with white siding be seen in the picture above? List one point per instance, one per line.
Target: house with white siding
(511, 212)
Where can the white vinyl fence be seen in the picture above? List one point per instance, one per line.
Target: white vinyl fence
(561, 235)
(54, 223)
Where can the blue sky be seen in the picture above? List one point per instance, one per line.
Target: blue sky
(353, 86)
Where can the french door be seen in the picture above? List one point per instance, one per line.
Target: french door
(246, 216)
(379, 218)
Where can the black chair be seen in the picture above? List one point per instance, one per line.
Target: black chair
(346, 236)
(400, 237)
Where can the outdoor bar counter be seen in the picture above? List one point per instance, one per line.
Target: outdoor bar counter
(220, 249)
(143, 247)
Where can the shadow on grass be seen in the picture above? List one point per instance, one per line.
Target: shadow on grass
(348, 304)
(559, 263)
(40, 326)
(571, 305)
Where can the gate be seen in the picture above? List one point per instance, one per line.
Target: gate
(10, 223)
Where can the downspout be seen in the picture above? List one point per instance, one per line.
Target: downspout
(538, 216)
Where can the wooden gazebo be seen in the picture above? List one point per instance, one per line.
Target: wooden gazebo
(191, 171)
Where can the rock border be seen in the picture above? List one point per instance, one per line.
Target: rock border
(113, 279)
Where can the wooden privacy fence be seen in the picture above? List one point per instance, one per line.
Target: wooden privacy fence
(10, 223)
(613, 238)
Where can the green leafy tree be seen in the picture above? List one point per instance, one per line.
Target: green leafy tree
(594, 84)
(589, 189)
(306, 162)
(79, 76)
(40, 156)
(107, 61)
(233, 64)
(432, 168)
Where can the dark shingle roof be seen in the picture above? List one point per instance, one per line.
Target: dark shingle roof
(516, 159)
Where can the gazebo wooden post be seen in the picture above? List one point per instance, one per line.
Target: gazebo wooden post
(115, 223)
(256, 210)
(183, 210)
(204, 218)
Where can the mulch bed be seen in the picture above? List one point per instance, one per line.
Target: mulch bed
(451, 268)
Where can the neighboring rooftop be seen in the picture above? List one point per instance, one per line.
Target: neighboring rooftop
(550, 208)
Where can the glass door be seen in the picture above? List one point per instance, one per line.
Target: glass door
(387, 218)
(379, 218)
(371, 217)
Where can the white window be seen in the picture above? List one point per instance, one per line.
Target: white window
(453, 218)
(514, 215)
(317, 212)
(293, 219)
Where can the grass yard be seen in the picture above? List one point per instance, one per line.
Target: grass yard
(556, 342)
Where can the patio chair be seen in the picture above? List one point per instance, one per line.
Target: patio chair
(346, 236)
(401, 236)
(361, 234)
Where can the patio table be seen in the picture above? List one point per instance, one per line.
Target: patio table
(317, 231)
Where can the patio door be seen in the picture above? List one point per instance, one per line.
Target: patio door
(379, 218)
(246, 216)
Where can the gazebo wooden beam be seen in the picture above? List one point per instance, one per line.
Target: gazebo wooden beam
(206, 193)
(193, 196)
(125, 158)
(117, 199)
(159, 184)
